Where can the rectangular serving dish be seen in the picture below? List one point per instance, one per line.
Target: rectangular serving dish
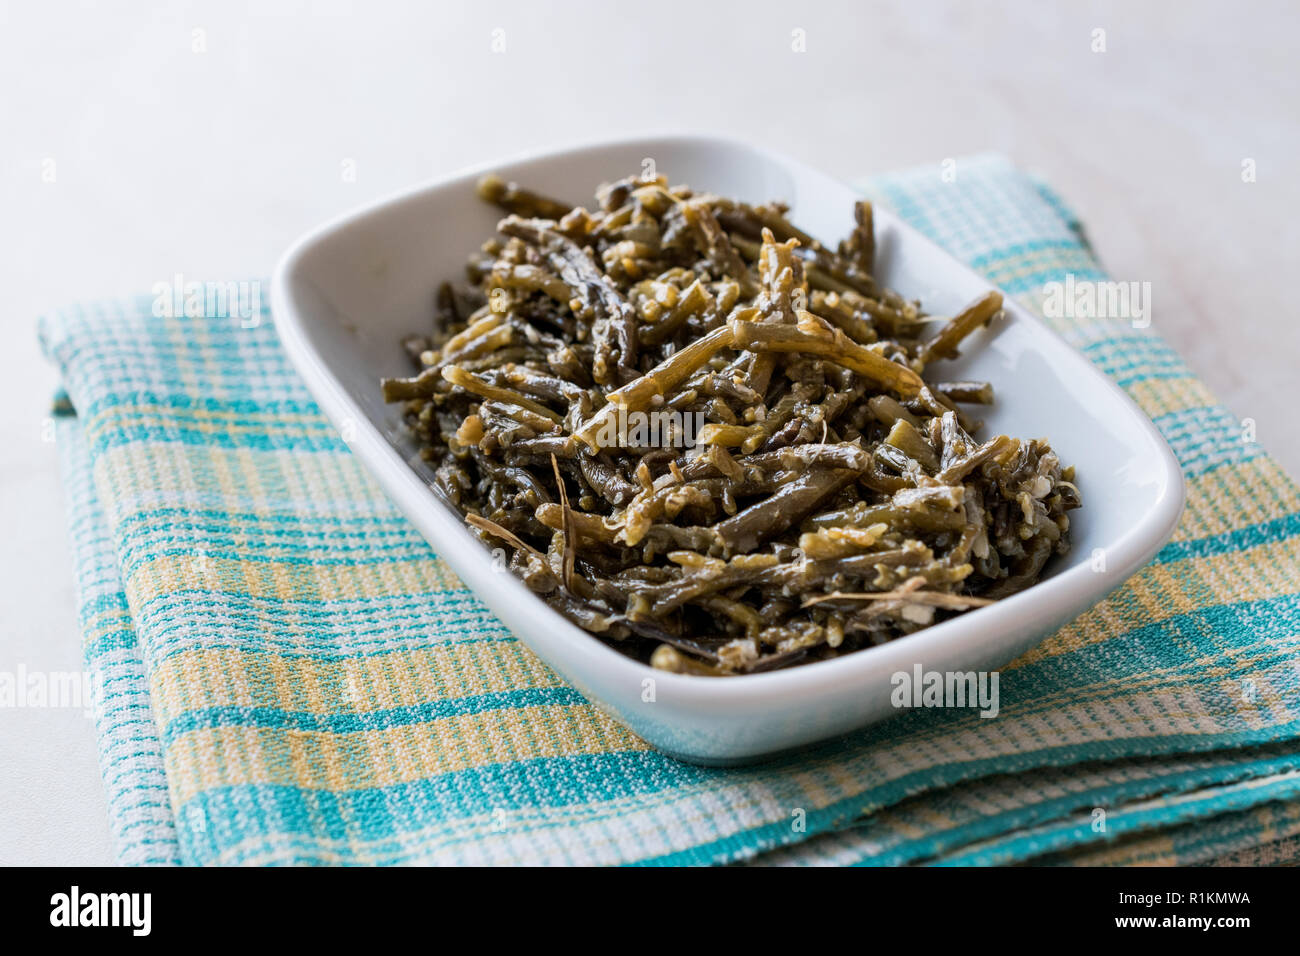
(345, 295)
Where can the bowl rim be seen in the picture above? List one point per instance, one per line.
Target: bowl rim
(382, 460)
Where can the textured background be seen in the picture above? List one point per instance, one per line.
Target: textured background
(209, 163)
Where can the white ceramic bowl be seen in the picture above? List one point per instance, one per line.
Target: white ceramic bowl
(345, 295)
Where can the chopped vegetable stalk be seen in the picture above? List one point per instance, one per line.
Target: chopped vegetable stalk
(703, 436)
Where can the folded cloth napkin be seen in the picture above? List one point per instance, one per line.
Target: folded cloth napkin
(289, 674)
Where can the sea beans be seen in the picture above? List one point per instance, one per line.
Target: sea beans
(715, 442)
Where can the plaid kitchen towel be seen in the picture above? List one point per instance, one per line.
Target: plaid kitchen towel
(140, 815)
(291, 675)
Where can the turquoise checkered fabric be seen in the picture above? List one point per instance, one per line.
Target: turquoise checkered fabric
(291, 675)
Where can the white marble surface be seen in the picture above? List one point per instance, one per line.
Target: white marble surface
(208, 163)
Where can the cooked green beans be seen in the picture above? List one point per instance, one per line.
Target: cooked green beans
(704, 436)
